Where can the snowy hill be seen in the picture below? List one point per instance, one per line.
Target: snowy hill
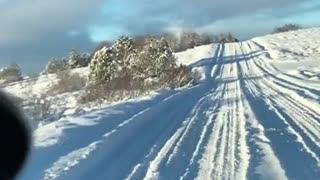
(30, 90)
(256, 115)
(37, 86)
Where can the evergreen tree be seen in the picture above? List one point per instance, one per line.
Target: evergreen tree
(124, 52)
(156, 58)
(85, 59)
(102, 65)
(11, 73)
(74, 59)
(112, 62)
(55, 66)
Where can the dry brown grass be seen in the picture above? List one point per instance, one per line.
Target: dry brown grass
(126, 87)
(67, 83)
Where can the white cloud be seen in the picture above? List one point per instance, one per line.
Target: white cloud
(142, 16)
(32, 31)
(27, 20)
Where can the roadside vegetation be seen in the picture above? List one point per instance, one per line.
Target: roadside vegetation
(126, 68)
(286, 28)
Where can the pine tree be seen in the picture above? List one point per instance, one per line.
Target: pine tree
(85, 59)
(112, 62)
(102, 66)
(156, 58)
(55, 66)
(11, 73)
(74, 59)
(166, 60)
(124, 51)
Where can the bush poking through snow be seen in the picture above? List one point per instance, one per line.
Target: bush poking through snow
(77, 61)
(85, 59)
(110, 92)
(55, 66)
(227, 38)
(122, 72)
(286, 28)
(155, 58)
(126, 87)
(176, 77)
(37, 109)
(12, 73)
(67, 82)
(123, 61)
(74, 59)
(109, 63)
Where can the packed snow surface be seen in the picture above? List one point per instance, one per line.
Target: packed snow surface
(255, 115)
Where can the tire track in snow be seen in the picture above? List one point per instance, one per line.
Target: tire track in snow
(289, 159)
(100, 122)
(294, 93)
(298, 80)
(229, 168)
(150, 167)
(302, 114)
(222, 160)
(298, 107)
(195, 133)
(299, 119)
(216, 69)
(235, 116)
(290, 93)
(206, 164)
(118, 136)
(137, 136)
(161, 162)
(282, 78)
(300, 89)
(263, 162)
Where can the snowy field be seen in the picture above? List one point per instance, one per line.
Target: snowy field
(255, 115)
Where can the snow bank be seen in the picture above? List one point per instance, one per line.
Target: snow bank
(297, 45)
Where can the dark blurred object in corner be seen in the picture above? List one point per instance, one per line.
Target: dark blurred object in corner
(15, 139)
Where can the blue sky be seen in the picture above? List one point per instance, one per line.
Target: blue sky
(32, 31)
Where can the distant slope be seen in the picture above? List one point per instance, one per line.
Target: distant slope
(294, 46)
(39, 85)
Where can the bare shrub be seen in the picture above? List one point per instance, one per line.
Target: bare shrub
(227, 38)
(67, 82)
(42, 108)
(196, 76)
(37, 108)
(127, 87)
(286, 28)
(77, 60)
(176, 77)
(55, 66)
(119, 88)
(10, 74)
(92, 93)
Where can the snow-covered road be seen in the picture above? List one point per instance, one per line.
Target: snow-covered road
(243, 122)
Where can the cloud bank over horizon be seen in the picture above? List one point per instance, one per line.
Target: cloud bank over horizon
(33, 31)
